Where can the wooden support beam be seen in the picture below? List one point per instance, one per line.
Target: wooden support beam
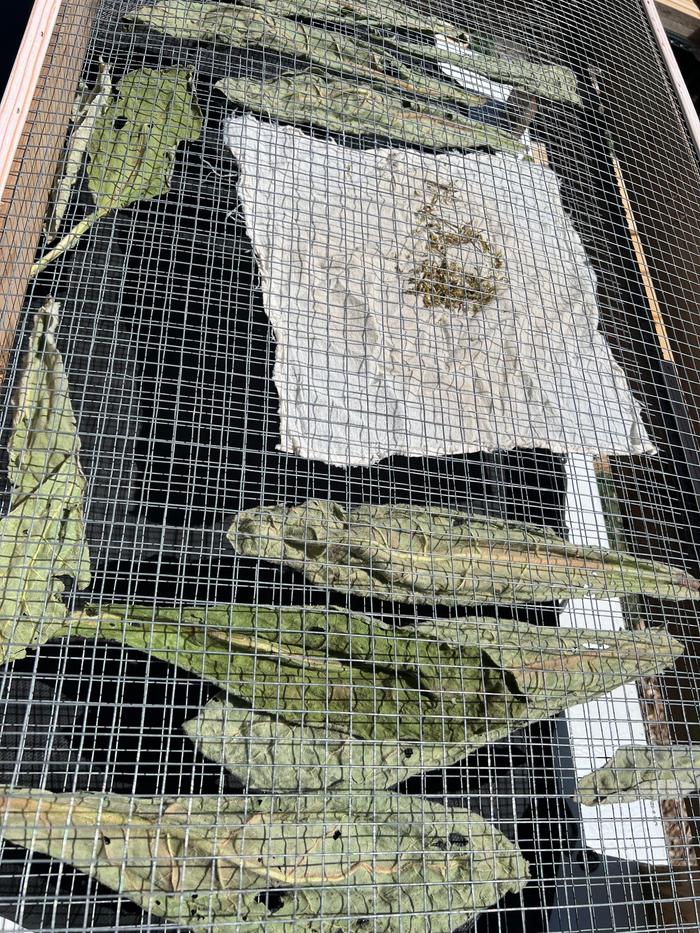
(34, 118)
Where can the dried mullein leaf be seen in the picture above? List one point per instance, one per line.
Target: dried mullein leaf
(210, 862)
(42, 539)
(133, 148)
(132, 145)
(246, 27)
(643, 772)
(342, 106)
(555, 82)
(85, 120)
(423, 555)
(449, 684)
(387, 16)
(270, 752)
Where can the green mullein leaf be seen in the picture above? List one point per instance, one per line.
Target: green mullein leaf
(342, 106)
(643, 772)
(132, 145)
(399, 863)
(42, 538)
(418, 555)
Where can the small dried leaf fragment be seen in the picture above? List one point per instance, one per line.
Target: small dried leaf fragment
(643, 772)
(342, 106)
(42, 539)
(415, 555)
(209, 862)
(88, 114)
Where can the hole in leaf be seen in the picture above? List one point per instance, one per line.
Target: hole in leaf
(457, 839)
(337, 834)
(273, 900)
(119, 123)
(407, 752)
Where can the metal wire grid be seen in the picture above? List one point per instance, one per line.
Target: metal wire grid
(170, 358)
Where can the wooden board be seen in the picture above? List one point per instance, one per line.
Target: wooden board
(52, 68)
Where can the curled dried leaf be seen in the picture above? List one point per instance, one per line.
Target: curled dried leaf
(211, 862)
(408, 554)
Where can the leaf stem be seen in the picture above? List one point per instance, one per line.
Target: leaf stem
(69, 240)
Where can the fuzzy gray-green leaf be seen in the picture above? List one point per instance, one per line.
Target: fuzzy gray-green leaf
(419, 555)
(245, 26)
(271, 752)
(133, 146)
(42, 539)
(84, 122)
(344, 107)
(643, 772)
(206, 862)
(446, 683)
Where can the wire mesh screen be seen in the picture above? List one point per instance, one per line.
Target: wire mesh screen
(350, 466)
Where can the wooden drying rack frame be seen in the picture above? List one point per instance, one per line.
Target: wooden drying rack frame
(34, 117)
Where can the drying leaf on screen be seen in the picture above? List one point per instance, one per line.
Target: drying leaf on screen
(421, 555)
(555, 82)
(643, 772)
(360, 12)
(393, 863)
(247, 27)
(272, 752)
(341, 106)
(89, 112)
(463, 684)
(42, 538)
(132, 145)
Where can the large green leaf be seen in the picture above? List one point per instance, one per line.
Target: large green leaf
(447, 683)
(42, 539)
(422, 555)
(265, 751)
(343, 106)
(245, 27)
(643, 772)
(387, 863)
(132, 145)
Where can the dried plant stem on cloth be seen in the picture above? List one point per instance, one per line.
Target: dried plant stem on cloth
(209, 863)
(365, 367)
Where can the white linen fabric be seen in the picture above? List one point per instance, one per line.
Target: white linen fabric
(368, 364)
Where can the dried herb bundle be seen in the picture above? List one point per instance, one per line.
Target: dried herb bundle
(132, 143)
(420, 555)
(245, 27)
(344, 107)
(211, 862)
(42, 539)
(643, 772)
